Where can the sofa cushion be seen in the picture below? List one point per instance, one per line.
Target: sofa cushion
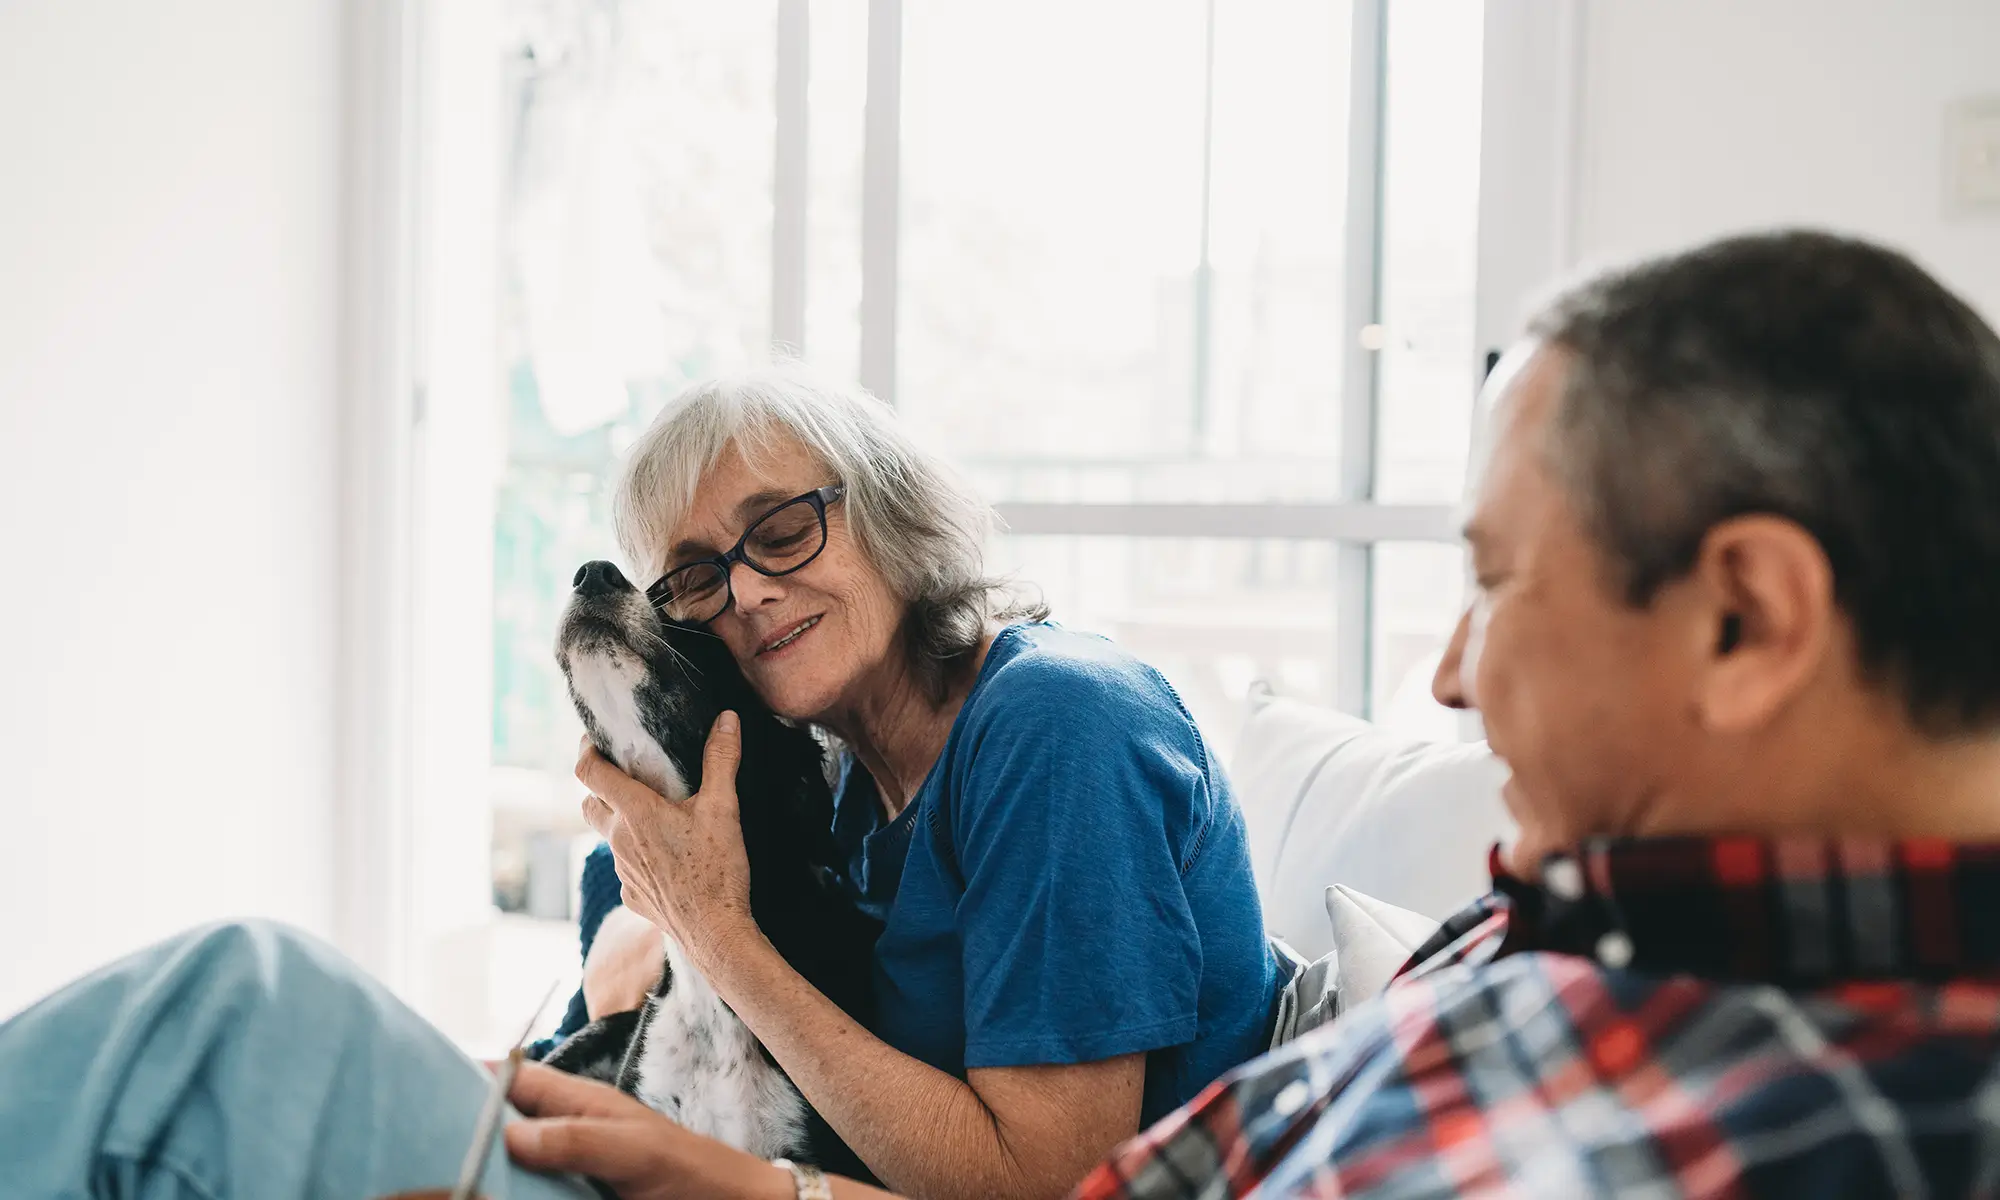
(1372, 939)
(1331, 799)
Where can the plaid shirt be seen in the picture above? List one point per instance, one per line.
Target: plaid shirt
(1672, 1017)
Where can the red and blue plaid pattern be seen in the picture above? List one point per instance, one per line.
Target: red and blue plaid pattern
(1795, 1018)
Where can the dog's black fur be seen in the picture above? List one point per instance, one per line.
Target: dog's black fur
(648, 691)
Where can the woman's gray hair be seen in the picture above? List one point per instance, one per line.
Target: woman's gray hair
(914, 517)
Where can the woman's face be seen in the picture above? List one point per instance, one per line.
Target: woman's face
(836, 617)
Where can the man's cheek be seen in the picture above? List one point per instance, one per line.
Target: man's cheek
(1474, 655)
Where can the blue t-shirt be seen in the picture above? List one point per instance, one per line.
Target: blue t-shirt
(1071, 882)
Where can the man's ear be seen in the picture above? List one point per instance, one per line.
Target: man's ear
(1767, 591)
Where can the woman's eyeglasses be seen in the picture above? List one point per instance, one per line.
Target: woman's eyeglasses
(781, 541)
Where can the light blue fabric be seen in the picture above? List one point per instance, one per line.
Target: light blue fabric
(1071, 882)
(241, 1060)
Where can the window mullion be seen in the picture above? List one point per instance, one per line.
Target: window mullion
(1354, 564)
(1358, 524)
(881, 169)
(792, 148)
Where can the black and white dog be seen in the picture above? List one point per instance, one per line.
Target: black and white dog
(648, 691)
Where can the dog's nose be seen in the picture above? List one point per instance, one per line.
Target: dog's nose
(598, 578)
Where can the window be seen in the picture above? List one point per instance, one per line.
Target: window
(1186, 285)
(635, 253)
(1126, 291)
(1214, 615)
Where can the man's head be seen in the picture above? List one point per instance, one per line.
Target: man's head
(1737, 547)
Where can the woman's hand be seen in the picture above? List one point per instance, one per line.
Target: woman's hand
(682, 866)
(588, 1128)
(624, 964)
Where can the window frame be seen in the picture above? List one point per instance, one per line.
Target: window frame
(1354, 523)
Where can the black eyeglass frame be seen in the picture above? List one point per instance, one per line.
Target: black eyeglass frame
(819, 498)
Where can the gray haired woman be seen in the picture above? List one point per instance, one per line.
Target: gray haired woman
(1072, 942)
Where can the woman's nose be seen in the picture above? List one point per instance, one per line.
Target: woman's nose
(751, 587)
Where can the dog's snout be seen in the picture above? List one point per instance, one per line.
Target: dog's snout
(598, 579)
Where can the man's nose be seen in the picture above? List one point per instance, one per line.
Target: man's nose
(599, 578)
(1447, 686)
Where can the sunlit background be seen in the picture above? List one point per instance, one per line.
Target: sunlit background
(323, 327)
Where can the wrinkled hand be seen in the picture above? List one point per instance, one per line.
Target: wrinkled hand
(682, 866)
(624, 963)
(579, 1125)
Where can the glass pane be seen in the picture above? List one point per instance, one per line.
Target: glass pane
(1419, 588)
(636, 209)
(836, 97)
(1212, 615)
(637, 256)
(1430, 216)
(1059, 329)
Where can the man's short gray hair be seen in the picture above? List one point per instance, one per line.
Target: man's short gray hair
(914, 517)
(1816, 378)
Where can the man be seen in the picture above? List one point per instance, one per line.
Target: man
(1736, 631)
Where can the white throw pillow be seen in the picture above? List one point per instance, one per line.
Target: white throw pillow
(1372, 939)
(1329, 798)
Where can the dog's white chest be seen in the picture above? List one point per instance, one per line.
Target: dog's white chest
(700, 1065)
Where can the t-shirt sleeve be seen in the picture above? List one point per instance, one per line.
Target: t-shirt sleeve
(1075, 815)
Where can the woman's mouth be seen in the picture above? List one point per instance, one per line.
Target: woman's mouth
(791, 635)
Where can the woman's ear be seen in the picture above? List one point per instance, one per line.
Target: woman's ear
(1768, 590)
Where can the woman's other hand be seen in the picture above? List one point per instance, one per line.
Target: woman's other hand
(624, 964)
(582, 1126)
(681, 866)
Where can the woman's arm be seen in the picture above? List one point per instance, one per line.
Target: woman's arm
(1004, 1132)
(582, 1126)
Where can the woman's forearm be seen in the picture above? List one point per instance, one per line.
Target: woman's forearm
(922, 1131)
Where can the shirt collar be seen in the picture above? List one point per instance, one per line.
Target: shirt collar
(1794, 911)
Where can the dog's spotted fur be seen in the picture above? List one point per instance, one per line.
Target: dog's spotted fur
(648, 692)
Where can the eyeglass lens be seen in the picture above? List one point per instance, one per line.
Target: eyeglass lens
(782, 541)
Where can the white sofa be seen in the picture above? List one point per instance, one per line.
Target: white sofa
(1330, 798)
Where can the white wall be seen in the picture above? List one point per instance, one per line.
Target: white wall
(168, 254)
(1698, 117)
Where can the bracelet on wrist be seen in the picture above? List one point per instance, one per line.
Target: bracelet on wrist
(809, 1181)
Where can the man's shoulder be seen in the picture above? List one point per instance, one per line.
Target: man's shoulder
(1431, 1067)
(1550, 1073)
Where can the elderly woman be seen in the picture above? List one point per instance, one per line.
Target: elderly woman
(1072, 944)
